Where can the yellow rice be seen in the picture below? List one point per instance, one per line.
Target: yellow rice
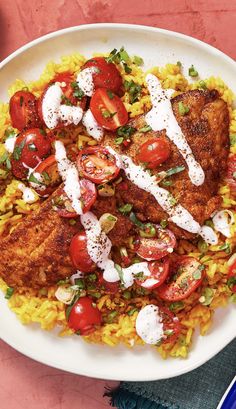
(42, 307)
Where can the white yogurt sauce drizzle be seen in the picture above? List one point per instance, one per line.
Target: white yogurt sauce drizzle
(28, 194)
(10, 144)
(99, 247)
(53, 111)
(178, 214)
(92, 127)
(161, 117)
(85, 80)
(149, 325)
(70, 176)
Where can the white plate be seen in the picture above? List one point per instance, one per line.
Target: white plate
(157, 47)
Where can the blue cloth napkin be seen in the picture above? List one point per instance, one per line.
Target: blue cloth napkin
(199, 389)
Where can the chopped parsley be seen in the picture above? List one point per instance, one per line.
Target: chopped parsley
(192, 72)
(172, 200)
(133, 89)
(145, 129)
(120, 272)
(110, 94)
(124, 133)
(108, 114)
(164, 223)
(179, 63)
(183, 109)
(33, 179)
(120, 57)
(77, 91)
(126, 208)
(226, 247)
(111, 218)
(18, 150)
(138, 60)
(9, 293)
(111, 316)
(173, 171)
(132, 311)
(66, 100)
(202, 84)
(177, 305)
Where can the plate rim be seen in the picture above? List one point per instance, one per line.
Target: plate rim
(93, 372)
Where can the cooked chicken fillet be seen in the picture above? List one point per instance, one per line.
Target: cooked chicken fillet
(36, 254)
(206, 129)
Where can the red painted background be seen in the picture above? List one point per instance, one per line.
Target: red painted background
(24, 383)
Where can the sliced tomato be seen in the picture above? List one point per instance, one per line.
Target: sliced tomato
(111, 288)
(107, 75)
(79, 253)
(62, 204)
(84, 316)
(171, 325)
(156, 247)
(69, 89)
(154, 152)
(97, 164)
(108, 109)
(158, 273)
(23, 110)
(231, 173)
(186, 276)
(30, 148)
(232, 277)
(45, 176)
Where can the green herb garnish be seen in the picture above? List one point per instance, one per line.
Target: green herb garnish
(192, 72)
(110, 94)
(173, 171)
(131, 312)
(164, 223)
(183, 109)
(177, 305)
(133, 89)
(232, 139)
(33, 179)
(18, 150)
(120, 272)
(126, 208)
(226, 247)
(9, 293)
(138, 60)
(145, 129)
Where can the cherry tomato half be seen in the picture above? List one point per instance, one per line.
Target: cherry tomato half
(232, 277)
(159, 271)
(45, 176)
(187, 275)
(79, 253)
(171, 325)
(156, 247)
(109, 287)
(108, 109)
(68, 86)
(231, 173)
(84, 316)
(62, 203)
(23, 110)
(154, 152)
(97, 164)
(31, 146)
(107, 75)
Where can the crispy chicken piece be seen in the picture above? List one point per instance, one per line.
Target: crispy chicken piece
(36, 254)
(206, 129)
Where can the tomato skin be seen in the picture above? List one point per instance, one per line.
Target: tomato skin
(48, 165)
(156, 247)
(230, 178)
(232, 275)
(108, 111)
(159, 271)
(23, 110)
(67, 89)
(107, 76)
(31, 146)
(170, 323)
(84, 316)
(97, 164)
(111, 288)
(177, 289)
(154, 152)
(88, 196)
(79, 253)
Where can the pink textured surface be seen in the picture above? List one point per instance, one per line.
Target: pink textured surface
(24, 383)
